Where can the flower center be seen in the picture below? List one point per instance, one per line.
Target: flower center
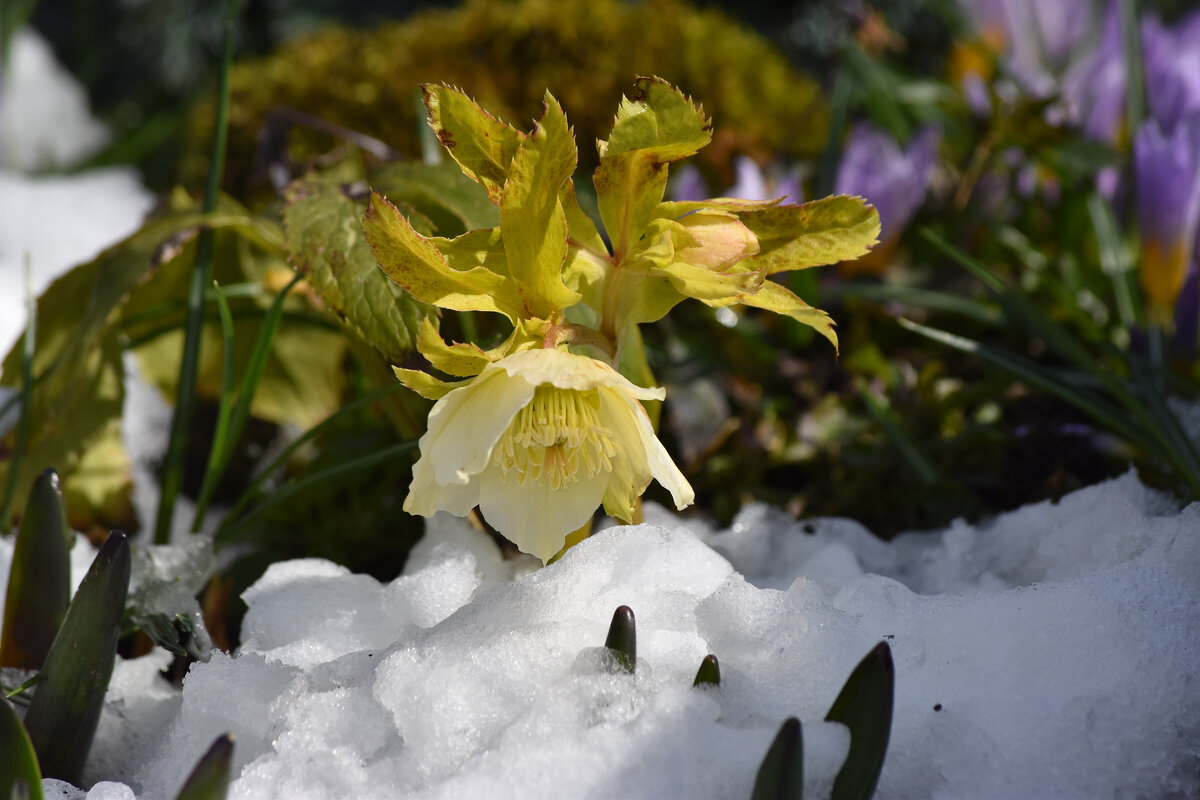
(555, 438)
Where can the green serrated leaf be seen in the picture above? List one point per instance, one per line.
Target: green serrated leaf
(39, 579)
(452, 201)
(865, 706)
(781, 774)
(417, 265)
(532, 219)
(660, 120)
(209, 779)
(65, 709)
(655, 126)
(324, 235)
(826, 231)
(482, 145)
(18, 762)
(622, 638)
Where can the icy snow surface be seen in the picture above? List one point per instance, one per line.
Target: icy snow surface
(1059, 642)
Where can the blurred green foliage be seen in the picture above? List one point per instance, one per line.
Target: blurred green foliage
(506, 55)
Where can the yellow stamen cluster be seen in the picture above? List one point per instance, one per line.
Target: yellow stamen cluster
(555, 436)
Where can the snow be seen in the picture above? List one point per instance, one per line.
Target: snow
(1049, 652)
(57, 221)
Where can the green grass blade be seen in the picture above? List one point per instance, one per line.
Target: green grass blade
(18, 762)
(1112, 261)
(781, 774)
(865, 706)
(227, 440)
(209, 779)
(350, 408)
(66, 705)
(39, 579)
(181, 421)
(218, 453)
(1099, 409)
(290, 490)
(905, 444)
(14, 463)
(921, 298)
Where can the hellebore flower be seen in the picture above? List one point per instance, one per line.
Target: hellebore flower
(874, 168)
(1167, 172)
(538, 440)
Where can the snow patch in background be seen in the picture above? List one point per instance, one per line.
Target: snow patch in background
(45, 122)
(57, 221)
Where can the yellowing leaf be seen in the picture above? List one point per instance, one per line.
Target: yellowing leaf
(774, 297)
(462, 360)
(628, 188)
(441, 192)
(826, 231)
(478, 248)
(532, 218)
(581, 231)
(481, 144)
(658, 119)
(415, 263)
(325, 242)
(425, 384)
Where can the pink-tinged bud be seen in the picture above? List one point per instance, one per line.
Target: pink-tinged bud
(720, 241)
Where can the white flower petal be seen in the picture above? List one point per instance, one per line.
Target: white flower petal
(631, 471)
(426, 496)
(465, 424)
(569, 371)
(535, 517)
(661, 466)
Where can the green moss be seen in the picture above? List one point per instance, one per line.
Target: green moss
(506, 54)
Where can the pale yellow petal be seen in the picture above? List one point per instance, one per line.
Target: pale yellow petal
(426, 496)
(533, 516)
(569, 371)
(631, 472)
(661, 466)
(465, 424)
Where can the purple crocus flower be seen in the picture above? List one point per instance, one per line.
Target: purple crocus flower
(688, 185)
(1094, 87)
(1172, 70)
(1167, 183)
(894, 181)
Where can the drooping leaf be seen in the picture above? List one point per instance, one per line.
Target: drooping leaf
(39, 579)
(532, 219)
(772, 296)
(781, 774)
(323, 231)
(865, 706)
(461, 360)
(18, 762)
(65, 709)
(209, 779)
(416, 264)
(452, 201)
(482, 145)
(622, 638)
(825, 231)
